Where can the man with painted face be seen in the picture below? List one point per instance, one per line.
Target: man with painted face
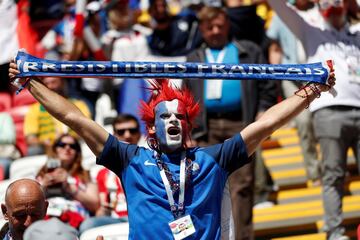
(172, 185)
(336, 119)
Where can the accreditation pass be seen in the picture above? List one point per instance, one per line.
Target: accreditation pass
(182, 227)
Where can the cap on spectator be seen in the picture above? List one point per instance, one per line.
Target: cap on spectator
(53, 229)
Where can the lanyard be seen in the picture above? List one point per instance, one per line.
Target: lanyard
(220, 57)
(170, 189)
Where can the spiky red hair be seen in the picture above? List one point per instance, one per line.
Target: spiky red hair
(161, 90)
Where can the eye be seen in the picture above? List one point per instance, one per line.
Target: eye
(165, 115)
(180, 116)
(19, 215)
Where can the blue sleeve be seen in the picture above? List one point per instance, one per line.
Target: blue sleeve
(230, 155)
(116, 155)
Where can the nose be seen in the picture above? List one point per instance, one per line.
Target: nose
(216, 30)
(28, 221)
(173, 119)
(127, 134)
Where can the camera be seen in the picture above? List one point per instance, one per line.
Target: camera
(52, 164)
(55, 189)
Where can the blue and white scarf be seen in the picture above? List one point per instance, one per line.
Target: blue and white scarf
(30, 66)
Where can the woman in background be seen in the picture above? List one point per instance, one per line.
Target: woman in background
(71, 194)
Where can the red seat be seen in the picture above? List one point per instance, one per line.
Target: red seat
(5, 101)
(2, 173)
(23, 98)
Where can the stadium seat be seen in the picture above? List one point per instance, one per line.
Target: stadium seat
(23, 98)
(5, 101)
(2, 174)
(3, 186)
(27, 167)
(18, 114)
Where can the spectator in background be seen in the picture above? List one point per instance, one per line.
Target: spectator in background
(57, 42)
(25, 203)
(40, 128)
(8, 150)
(245, 23)
(113, 207)
(287, 49)
(336, 119)
(126, 128)
(225, 113)
(172, 35)
(122, 42)
(71, 194)
(89, 89)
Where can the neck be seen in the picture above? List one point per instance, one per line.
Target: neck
(171, 151)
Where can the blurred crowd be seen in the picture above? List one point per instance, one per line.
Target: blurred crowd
(229, 31)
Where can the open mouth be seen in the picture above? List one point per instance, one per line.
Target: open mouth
(173, 131)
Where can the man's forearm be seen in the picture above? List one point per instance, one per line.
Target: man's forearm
(276, 117)
(284, 111)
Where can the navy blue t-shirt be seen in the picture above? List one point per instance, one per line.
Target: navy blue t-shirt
(148, 207)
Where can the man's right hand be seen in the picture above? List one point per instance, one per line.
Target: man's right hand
(13, 70)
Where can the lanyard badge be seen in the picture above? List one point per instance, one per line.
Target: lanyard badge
(182, 226)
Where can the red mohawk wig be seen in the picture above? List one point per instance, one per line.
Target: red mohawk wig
(161, 90)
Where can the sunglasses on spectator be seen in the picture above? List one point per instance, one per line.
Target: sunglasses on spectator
(325, 4)
(71, 145)
(121, 132)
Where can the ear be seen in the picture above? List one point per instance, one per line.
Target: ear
(152, 130)
(4, 212)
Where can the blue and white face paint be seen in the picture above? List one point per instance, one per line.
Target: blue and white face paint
(169, 125)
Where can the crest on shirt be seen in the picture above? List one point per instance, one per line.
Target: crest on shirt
(195, 168)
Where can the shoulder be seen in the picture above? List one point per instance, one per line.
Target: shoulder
(195, 55)
(246, 46)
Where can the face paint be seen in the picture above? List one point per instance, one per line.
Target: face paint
(325, 4)
(170, 124)
(330, 8)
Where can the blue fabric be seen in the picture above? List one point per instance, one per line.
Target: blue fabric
(130, 93)
(148, 207)
(30, 66)
(7, 236)
(230, 98)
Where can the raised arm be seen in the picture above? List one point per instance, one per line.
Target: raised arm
(291, 18)
(278, 115)
(66, 112)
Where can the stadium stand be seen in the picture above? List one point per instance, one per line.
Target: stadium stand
(299, 211)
